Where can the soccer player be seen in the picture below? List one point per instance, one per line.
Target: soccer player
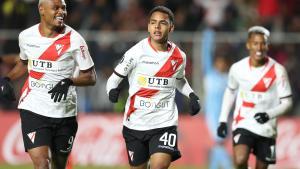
(51, 52)
(155, 68)
(215, 80)
(263, 93)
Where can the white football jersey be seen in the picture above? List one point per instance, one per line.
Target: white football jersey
(49, 61)
(152, 85)
(258, 90)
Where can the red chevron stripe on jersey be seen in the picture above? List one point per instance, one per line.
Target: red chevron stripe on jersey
(167, 70)
(51, 54)
(266, 81)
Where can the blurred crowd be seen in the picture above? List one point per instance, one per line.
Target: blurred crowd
(131, 15)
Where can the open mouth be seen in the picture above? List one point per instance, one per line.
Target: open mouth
(157, 34)
(258, 53)
(59, 18)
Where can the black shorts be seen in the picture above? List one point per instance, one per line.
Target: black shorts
(57, 133)
(262, 147)
(142, 144)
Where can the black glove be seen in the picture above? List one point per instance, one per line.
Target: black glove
(194, 104)
(61, 90)
(6, 89)
(261, 117)
(222, 130)
(114, 95)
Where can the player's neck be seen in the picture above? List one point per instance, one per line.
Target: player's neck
(50, 32)
(159, 46)
(258, 63)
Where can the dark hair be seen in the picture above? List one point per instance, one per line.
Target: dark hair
(165, 10)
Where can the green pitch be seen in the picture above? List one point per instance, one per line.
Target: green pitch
(3, 166)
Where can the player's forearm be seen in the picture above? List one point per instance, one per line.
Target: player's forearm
(228, 101)
(284, 106)
(113, 82)
(18, 71)
(85, 78)
(184, 87)
(10, 59)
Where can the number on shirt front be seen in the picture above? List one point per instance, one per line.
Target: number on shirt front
(169, 139)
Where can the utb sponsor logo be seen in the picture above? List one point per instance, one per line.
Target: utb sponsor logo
(152, 81)
(40, 64)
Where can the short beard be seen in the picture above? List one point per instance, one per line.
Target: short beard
(59, 29)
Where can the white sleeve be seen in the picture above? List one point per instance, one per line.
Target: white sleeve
(229, 95)
(284, 106)
(283, 83)
(113, 82)
(232, 83)
(181, 73)
(82, 54)
(126, 64)
(228, 101)
(284, 93)
(22, 50)
(184, 87)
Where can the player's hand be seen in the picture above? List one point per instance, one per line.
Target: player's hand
(261, 117)
(113, 95)
(194, 104)
(222, 130)
(60, 90)
(6, 89)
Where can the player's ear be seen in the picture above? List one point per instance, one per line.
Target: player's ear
(41, 10)
(248, 45)
(148, 27)
(172, 27)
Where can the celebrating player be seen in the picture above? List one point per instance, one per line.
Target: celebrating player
(155, 68)
(51, 52)
(263, 93)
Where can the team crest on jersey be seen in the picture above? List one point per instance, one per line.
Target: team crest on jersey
(59, 48)
(32, 136)
(174, 64)
(267, 81)
(131, 153)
